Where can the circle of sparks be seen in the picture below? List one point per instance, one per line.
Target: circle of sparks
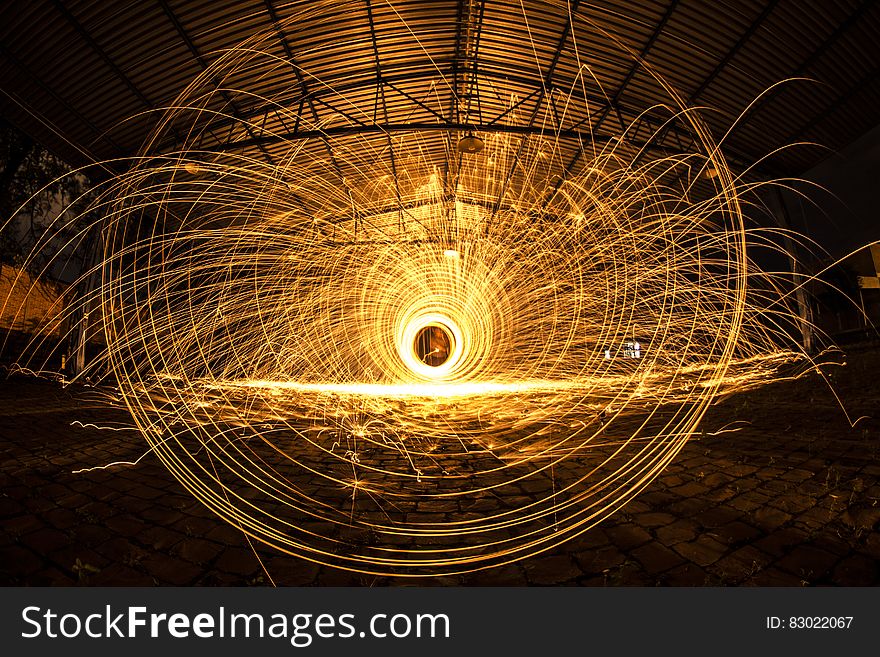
(261, 315)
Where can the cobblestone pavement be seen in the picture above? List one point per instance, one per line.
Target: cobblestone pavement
(793, 498)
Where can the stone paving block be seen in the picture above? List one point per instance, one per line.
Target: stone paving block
(741, 470)
(778, 542)
(197, 550)
(23, 524)
(51, 576)
(736, 532)
(159, 538)
(17, 561)
(867, 518)
(741, 564)
(716, 479)
(768, 518)
(637, 506)
(62, 519)
(797, 475)
(872, 545)
(73, 500)
(595, 562)
(118, 574)
(551, 570)
(507, 575)
(224, 534)
(146, 493)
(45, 540)
(793, 503)
(123, 550)
(238, 561)
(657, 498)
(655, 558)
(774, 577)
(678, 532)
(170, 572)
(39, 505)
(703, 551)
(90, 535)
(722, 494)
(334, 577)
(690, 506)
(78, 561)
(814, 518)
(125, 524)
(628, 536)
(688, 574)
(290, 571)
(717, 516)
(161, 515)
(654, 519)
(826, 495)
(691, 489)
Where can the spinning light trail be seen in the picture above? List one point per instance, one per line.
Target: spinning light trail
(371, 356)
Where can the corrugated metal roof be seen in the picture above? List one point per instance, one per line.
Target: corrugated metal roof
(85, 77)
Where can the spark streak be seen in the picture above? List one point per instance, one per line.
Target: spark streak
(263, 311)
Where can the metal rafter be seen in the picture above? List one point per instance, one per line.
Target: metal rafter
(378, 128)
(722, 64)
(381, 90)
(733, 51)
(306, 96)
(815, 55)
(867, 80)
(368, 128)
(467, 27)
(614, 101)
(94, 45)
(546, 85)
(83, 33)
(512, 76)
(310, 95)
(6, 52)
(184, 35)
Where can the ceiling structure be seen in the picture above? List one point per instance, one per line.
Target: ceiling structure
(90, 79)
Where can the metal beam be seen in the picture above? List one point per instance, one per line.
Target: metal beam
(378, 128)
(306, 96)
(841, 100)
(815, 55)
(204, 64)
(102, 53)
(768, 8)
(465, 26)
(381, 90)
(615, 98)
(731, 53)
(101, 134)
(546, 83)
(389, 80)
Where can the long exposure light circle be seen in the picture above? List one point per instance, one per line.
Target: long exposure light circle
(262, 311)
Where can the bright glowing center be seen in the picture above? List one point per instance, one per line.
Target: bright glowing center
(431, 346)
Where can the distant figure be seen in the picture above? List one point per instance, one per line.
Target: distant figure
(637, 349)
(608, 354)
(438, 347)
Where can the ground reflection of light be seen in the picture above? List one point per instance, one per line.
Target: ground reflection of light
(428, 390)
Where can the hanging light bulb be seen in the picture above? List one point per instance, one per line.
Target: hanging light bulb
(470, 144)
